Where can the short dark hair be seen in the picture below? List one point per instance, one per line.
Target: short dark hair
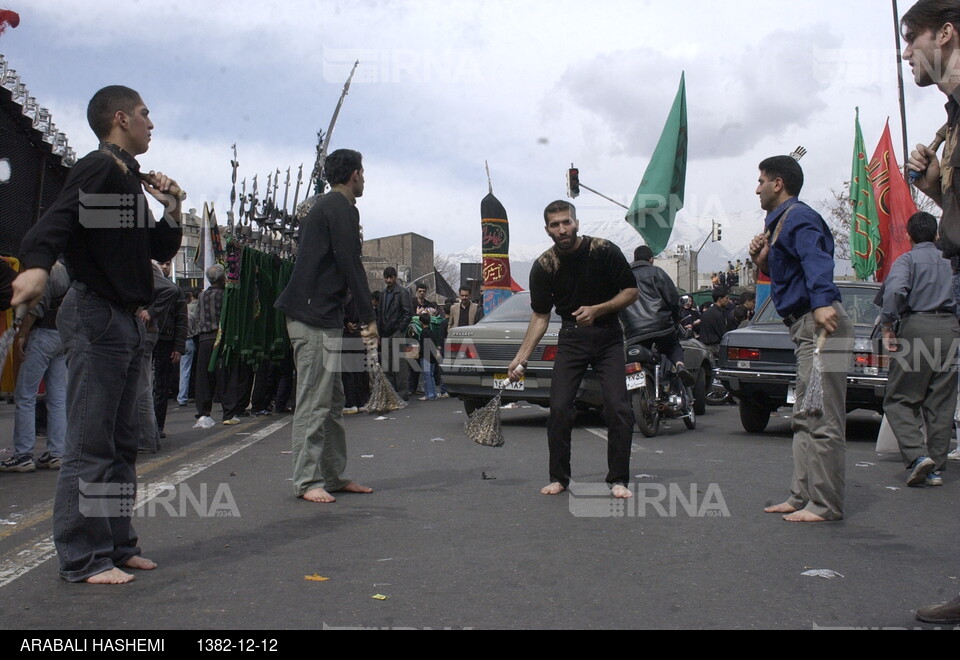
(340, 166)
(930, 15)
(104, 105)
(389, 271)
(720, 292)
(559, 206)
(747, 296)
(466, 288)
(421, 286)
(425, 319)
(787, 169)
(922, 227)
(643, 253)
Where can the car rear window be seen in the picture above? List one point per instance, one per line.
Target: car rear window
(857, 301)
(515, 309)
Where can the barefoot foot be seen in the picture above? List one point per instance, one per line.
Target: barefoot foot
(140, 563)
(786, 507)
(552, 489)
(804, 516)
(113, 576)
(318, 495)
(620, 491)
(354, 487)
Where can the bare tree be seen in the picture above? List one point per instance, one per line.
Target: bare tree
(448, 268)
(837, 213)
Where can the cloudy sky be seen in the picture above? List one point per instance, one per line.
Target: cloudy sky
(529, 86)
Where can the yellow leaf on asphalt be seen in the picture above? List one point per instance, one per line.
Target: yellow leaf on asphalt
(315, 578)
(380, 597)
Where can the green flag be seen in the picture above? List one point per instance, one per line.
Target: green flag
(660, 194)
(865, 223)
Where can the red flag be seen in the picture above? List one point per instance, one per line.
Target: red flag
(8, 18)
(894, 204)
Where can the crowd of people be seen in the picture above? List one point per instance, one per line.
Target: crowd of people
(110, 333)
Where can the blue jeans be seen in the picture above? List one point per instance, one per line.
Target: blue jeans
(186, 365)
(43, 360)
(429, 386)
(104, 346)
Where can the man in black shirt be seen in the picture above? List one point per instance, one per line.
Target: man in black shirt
(714, 323)
(589, 281)
(102, 225)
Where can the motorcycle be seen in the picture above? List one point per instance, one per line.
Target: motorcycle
(656, 391)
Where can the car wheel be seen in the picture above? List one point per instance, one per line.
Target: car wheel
(753, 416)
(470, 406)
(645, 413)
(700, 392)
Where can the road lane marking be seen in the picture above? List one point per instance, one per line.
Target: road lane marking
(34, 554)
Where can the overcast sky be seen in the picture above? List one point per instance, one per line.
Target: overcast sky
(442, 86)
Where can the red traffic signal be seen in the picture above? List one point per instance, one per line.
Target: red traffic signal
(573, 182)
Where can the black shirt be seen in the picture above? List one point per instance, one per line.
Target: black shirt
(102, 226)
(594, 273)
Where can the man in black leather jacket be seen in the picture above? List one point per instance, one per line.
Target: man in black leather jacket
(653, 318)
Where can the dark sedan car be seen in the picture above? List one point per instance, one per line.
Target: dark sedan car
(758, 366)
(476, 358)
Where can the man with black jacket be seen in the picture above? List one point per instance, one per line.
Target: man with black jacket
(327, 268)
(393, 317)
(653, 318)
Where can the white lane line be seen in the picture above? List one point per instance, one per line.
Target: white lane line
(596, 431)
(30, 558)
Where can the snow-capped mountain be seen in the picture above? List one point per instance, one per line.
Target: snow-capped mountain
(713, 256)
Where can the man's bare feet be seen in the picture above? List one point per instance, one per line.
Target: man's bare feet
(804, 516)
(318, 495)
(140, 563)
(786, 507)
(354, 487)
(620, 491)
(552, 489)
(113, 576)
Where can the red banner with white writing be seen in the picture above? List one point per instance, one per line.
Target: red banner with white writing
(894, 204)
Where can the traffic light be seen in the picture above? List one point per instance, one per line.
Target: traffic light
(573, 182)
(716, 232)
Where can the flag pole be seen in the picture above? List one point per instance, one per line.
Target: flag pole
(903, 107)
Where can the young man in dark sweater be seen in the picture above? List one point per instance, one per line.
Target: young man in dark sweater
(102, 226)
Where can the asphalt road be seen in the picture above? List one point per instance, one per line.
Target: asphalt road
(458, 536)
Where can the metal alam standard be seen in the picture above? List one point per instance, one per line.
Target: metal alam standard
(261, 245)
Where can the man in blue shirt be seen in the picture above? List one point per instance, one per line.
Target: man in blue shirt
(796, 251)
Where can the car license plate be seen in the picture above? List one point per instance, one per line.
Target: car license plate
(635, 381)
(502, 381)
(791, 395)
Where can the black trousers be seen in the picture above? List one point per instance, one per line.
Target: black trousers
(237, 388)
(163, 370)
(668, 345)
(602, 349)
(205, 381)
